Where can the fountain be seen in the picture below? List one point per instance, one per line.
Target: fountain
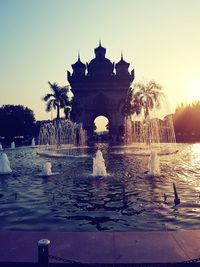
(46, 170)
(1, 148)
(151, 133)
(154, 130)
(13, 145)
(99, 168)
(148, 128)
(4, 164)
(33, 142)
(130, 200)
(153, 164)
(62, 132)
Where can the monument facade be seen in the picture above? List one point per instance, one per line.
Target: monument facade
(100, 88)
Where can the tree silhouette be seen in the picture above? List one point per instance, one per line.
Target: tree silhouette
(57, 99)
(127, 107)
(143, 98)
(146, 98)
(187, 122)
(16, 120)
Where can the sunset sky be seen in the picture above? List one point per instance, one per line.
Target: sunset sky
(40, 39)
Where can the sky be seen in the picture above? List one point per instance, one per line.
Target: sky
(40, 39)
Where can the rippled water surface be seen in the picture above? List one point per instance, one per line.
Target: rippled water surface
(126, 200)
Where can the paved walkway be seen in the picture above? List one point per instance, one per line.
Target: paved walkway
(103, 247)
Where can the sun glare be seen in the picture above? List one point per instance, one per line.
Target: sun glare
(192, 90)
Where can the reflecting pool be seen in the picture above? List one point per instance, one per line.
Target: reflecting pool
(125, 200)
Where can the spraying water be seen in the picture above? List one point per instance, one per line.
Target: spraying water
(153, 164)
(13, 145)
(62, 132)
(46, 170)
(33, 142)
(1, 148)
(99, 168)
(4, 164)
(152, 128)
(154, 131)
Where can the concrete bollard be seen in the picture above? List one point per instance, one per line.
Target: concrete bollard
(43, 252)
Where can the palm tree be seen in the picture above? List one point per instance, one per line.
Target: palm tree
(146, 98)
(57, 99)
(127, 107)
(143, 99)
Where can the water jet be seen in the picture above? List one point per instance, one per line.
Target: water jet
(153, 164)
(13, 145)
(33, 142)
(99, 168)
(4, 164)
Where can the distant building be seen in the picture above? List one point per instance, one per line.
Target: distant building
(100, 89)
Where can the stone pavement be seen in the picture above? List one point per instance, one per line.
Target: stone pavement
(103, 247)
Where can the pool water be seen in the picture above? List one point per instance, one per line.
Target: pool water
(125, 200)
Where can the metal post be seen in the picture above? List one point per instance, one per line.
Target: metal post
(176, 198)
(43, 252)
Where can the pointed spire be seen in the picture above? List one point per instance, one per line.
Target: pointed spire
(100, 50)
(78, 65)
(122, 55)
(122, 66)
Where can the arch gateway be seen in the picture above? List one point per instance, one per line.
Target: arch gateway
(100, 88)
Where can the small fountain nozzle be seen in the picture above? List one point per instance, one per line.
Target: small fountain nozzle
(176, 198)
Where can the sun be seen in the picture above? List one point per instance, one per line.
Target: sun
(192, 90)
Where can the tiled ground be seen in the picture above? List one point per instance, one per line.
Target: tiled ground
(104, 247)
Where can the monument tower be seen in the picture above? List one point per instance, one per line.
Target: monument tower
(100, 88)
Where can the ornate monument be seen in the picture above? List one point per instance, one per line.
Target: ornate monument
(100, 89)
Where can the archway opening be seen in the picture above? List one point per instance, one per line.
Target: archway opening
(101, 129)
(101, 124)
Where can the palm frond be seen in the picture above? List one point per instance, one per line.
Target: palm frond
(47, 96)
(54, 87)
(150, 103)
(50, 105)
(146, 97)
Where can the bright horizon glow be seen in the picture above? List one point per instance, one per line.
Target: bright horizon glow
(40, 40)
(192, 90)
